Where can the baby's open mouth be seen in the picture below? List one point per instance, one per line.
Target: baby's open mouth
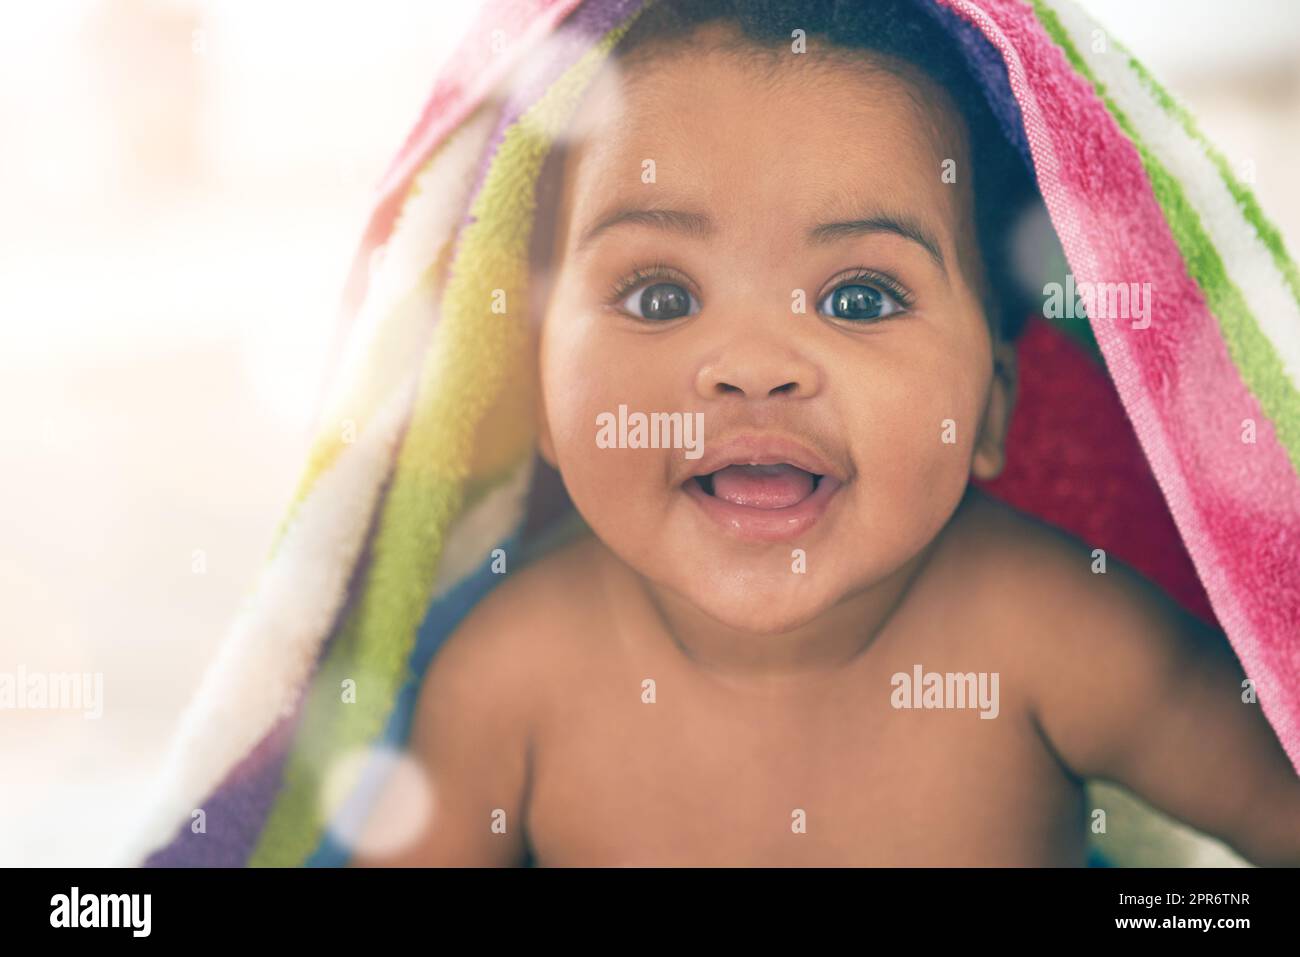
(760, 486)
(764, 487)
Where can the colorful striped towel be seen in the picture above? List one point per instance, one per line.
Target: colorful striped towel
(423, 464)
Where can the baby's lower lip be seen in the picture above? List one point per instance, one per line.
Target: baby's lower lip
(765, 524)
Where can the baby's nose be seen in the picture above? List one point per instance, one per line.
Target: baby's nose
(757, 369)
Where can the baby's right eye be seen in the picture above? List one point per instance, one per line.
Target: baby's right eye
(661, 301)
(648, 295)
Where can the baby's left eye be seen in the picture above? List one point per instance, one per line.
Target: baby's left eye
(858, 302)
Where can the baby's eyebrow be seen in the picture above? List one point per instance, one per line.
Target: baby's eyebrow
(879, 223)
(700, 226)
(694, 225)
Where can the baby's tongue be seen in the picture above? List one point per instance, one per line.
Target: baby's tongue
(762, 486)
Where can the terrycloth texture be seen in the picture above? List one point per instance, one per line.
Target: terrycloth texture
(422, 476)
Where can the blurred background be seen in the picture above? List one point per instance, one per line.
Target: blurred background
(182, 185)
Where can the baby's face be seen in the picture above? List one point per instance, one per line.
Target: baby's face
(858, 353)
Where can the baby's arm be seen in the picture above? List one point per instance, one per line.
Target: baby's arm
(471, 740)
(1138, 691)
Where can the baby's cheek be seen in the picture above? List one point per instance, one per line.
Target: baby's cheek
(605, 481)
(571, 410)
(920, 441)
(575, 385)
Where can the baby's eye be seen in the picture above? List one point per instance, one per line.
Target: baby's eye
(856, 301)
(661, 301)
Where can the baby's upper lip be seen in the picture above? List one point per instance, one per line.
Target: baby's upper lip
(763, 448)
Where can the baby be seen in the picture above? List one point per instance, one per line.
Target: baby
(808, 640)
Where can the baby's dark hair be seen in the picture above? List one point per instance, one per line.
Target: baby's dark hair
(896, 29)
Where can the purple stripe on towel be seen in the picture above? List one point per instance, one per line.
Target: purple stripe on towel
(985, 62)
(236, 811)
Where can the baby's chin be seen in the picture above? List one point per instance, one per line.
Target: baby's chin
(751, 587)
(765, 598)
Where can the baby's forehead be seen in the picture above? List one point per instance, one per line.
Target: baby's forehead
(767, 142)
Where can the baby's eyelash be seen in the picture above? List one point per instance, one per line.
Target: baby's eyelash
(640, 276)
(874, 278)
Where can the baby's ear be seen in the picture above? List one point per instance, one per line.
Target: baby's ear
(990, 446)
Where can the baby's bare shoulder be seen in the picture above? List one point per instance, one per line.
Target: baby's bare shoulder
(1051, 591)
(535, 618)
(1099, 641)
(1046, 582)
(1009, 581)
(488, 679)
(480, 705)
(1017, 553)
